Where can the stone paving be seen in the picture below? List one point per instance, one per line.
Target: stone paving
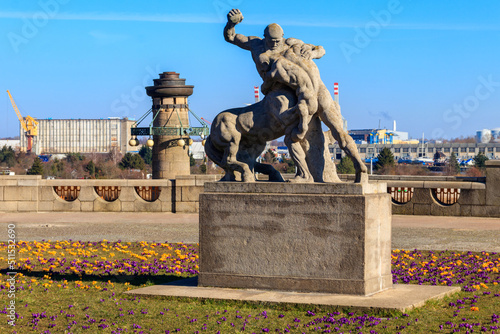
(409, 232)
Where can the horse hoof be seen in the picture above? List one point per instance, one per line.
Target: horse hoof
(248, 178)
(361, 177)
(300, 179)
(276, 177)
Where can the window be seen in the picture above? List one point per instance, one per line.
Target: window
(405, 150)
(414, 149)
(397, 150)
(447, 149)
(498, 149)
(490, 149)
(481, 149)
(362, 150)
(339, 150)
(430, 149)
(472, 149)
(379, 150)
(455, 149)
(370, 150)
(463, 149)
(331, 150)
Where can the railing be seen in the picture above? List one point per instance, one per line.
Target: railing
(400, 195)
(446, 196)
(67, 193)
(108, 193)
(149, 194)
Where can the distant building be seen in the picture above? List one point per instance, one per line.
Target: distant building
(414, 151)
(14, 143)
(197, 150)
(81, 136)
(380, 136)
(486, 135)
(361, 135)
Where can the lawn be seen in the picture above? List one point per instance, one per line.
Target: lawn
(78, 287)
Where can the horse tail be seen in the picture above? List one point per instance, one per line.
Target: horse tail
(212, 152)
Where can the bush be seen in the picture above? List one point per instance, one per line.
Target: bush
(203, 168)
(480, 160)
(453, 166)
(36, 168)
(146, 154)
(346, 166)
(133, 161)
(385, 159)
(7, 156)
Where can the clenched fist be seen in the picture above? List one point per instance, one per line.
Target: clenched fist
(234, 16)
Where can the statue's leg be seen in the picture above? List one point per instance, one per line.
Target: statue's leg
(274, 175)
(299, 158)
(330, 115)
(232, 163)
(299, 132)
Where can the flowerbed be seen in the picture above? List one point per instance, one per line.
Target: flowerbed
(77, 287)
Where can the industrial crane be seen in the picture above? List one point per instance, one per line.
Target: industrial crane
(28, 123)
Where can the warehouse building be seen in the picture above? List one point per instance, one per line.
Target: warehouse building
(81, 136)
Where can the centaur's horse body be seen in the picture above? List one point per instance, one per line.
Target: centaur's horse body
(238, 136)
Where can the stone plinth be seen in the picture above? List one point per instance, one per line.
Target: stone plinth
(333, 238)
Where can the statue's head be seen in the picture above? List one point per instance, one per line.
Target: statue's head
(273, 36)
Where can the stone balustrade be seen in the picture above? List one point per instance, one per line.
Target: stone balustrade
(411, 195)
(31, 194)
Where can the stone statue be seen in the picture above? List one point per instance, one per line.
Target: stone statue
(295, 100)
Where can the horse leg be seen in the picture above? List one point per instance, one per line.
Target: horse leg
(230, 155)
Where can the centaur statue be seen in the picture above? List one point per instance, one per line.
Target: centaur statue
(295, 103)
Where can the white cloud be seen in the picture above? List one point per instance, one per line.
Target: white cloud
(210, 19)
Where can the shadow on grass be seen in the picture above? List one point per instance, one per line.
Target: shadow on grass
(134, 280)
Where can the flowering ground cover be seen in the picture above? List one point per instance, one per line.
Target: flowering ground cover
(78, 287)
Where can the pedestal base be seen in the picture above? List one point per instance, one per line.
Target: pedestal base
(333, 238)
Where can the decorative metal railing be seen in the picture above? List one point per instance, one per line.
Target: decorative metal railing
(108, 193)
(149, 194)
(400, 195)
(446, 196)
(67, 193)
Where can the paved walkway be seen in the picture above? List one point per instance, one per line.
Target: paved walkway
(409, 232)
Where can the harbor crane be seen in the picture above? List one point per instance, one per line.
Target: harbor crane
(30, 126)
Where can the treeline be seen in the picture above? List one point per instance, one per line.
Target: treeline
(80, 166)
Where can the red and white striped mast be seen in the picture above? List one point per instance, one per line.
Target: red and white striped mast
(336, 92)
(256, 91)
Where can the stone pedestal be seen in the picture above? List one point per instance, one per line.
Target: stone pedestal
(170, 109)
(333, 238)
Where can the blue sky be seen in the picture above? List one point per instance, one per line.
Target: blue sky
(433, 66)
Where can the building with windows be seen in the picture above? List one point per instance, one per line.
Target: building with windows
(413, 151)
(81, 136)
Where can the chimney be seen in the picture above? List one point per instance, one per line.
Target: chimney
(394, 126)
(336, 92)
(256, 91)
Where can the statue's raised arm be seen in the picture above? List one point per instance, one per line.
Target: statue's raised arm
(233, 18)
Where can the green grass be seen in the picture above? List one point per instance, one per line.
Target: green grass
(77, 287)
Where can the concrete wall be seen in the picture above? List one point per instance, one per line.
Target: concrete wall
(479, 196)
(31, 194)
